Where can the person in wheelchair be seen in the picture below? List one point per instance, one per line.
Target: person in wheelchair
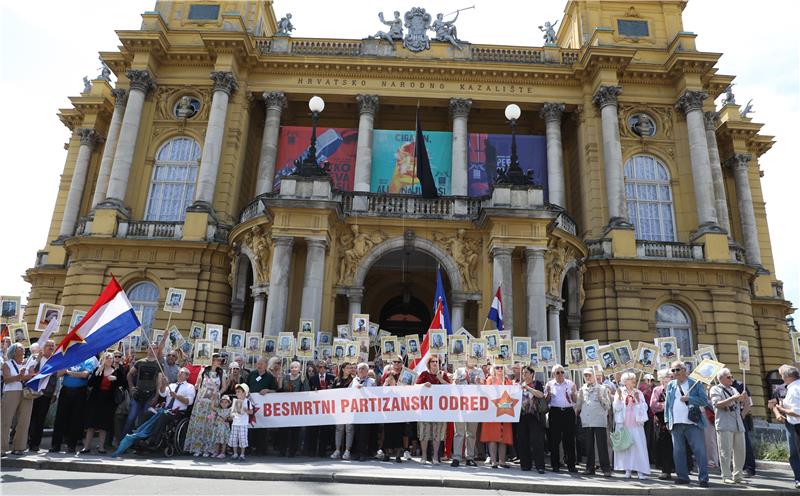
(177, 398)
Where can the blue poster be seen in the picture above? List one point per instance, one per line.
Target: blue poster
(394, 163)
(487, 152)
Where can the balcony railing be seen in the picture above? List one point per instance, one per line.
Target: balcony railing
(150, 229)
(671, 250)
(565, 223)
(253, 209)
(507, 55)
(385, 205)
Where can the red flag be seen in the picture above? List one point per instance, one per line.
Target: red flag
(421, 364)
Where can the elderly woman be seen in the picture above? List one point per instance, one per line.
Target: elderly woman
(234, 378)
(431, 432)
(199, 436)
(594, 402)
(499, 435)
(14, 405)
(295, 381)
(100, 414)
(630, 412)
(344, 433)
(561, 396)
(730, 407)
(663, 437)
(529, 442)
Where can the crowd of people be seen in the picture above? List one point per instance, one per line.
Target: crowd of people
(604, 423)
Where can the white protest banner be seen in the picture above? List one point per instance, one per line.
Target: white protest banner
(378, 404)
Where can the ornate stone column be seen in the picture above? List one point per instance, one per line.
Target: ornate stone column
(237, 311)
(459, 108)
(259, 304)
(141, 84)
(275, 101)
(606, 101)
(311, 305)
(354, 297)
(691, 103)
(551, 113)
(502, 276)
(721, 200)
(224, 85)
(367, 107)
(277, 302)
(457, 303)
(104, 173)
(744, 199)
(89, 139)
(536, 294)
(554, 327)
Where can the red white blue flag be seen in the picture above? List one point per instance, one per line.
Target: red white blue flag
(496, 310)
(110, 319)
(421, 364)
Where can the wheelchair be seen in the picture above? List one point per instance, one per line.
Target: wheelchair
(172, 439)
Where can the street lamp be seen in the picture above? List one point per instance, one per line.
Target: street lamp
(309, 167)
(513, 174)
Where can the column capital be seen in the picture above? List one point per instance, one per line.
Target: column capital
(283, 241)
(355, 293)
(367, 104)
(141, 80)
(89, 137)
(224, 81)
(691, 100)
(502, 251)
(120, 97)
(317, 243)
(274, 100)
(738, 161)
(460, 107)
(710, 119)
(534, 252)
(552, 112)
(606, 95)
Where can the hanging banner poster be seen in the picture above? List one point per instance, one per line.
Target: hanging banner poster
(393, 161)
(380, 405)
(487, 152)
(334, 145)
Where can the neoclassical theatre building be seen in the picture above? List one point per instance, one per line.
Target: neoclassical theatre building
(636, 211)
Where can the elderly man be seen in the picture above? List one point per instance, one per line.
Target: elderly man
(363, 432)
(319, 438)
(594, 402)
(465, 433)
(788, 411)
(683, 413)
(263, 381)
(431, 431)
(42, 403)
(729, 408)
(561, 394)
(177, 397)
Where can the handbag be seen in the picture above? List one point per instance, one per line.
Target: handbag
(621, 439)
(694, 415)
(120, 394)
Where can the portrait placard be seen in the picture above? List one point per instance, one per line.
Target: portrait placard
(373, 331)
(477, 351)
(10, 308)
(463, 332)
(437, 343)
(306, 325)
(253, 343)
(324, 338)
(705, 352)
(359, 325)
(339, 350)
(196, 331)
(457, 350)
(522, 350)
(624, 354)
(573, 350)
(743, 352)
(413, 351)
(235, 339)
(19, 333)
(285, 345)
(363, 349)
(503, 355)
(343, 331)
(174, 301)
(305, 345)
(547, 353)
(325, 353)
(389, 348)
(77, 316)
(407, 377)
(492, 338)
(646, 357)
(706, 371)
(351, 355)
(608, 359)
(203, 348)
(47, 312)
(534, 357)
(174, 338)
(667, 349)
(270, 345)
(214, 334)
(591, 352)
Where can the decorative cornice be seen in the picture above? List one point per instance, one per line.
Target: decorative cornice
(552, 112)
(738, 161)
(89, 137)
(691, 100)
(120, 97)
(224, 81)
(367, 104)
(141, 80)
(274, 100)
(606, 95)
(459, 107)
(711, 118)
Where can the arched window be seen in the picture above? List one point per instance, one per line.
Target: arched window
(174, 178)
(649, 197)
(144, 298)
(671, 320)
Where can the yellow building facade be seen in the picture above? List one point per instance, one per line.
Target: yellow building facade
(652, 221)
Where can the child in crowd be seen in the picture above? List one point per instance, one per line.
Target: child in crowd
(240, 412)
(222, 429)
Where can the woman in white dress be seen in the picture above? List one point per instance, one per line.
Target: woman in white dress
(630, 411)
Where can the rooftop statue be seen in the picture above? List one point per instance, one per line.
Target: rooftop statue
(395, 32)
(446, 30)
(747, 109)
(285, 26)
(549, 33)
(87, 85)
(105, 72)
(729, 99)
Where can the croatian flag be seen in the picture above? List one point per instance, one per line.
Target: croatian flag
(421, 364)
(110, 319)
(440, 298)
(496, 310)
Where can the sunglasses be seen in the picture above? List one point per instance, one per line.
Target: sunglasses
(559, 372)
(676, 370)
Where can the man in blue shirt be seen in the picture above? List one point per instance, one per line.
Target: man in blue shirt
(71, 406)
(686, 426)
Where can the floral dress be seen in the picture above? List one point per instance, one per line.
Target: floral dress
(199, 437)
(222, 425)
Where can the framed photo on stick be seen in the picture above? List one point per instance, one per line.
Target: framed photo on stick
(196, 331)
(253, 342)
(174, 301)
(477, 351)
(573, 351)
(624, 354)
(285, 345)
(214, 334)
(359, 325)
(547, 353)
(706, 371)
(492, 338)
(9, 308)
(522, 350)
(203, 348)
(457, 352)
(305, 345)
(743, 352)
(389, 348)
(306, 325)
(667, 349)
(47, 312)
(591, 352)
(19, 333)
(646, 357)
(413, 350)
(270, 345)
(343, 331)
(235, 339)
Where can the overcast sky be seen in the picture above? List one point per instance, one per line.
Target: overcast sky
(44, 55)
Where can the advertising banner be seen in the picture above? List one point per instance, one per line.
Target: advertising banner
(489, 151)
(393, 161)
(379, 405)
(334, 145)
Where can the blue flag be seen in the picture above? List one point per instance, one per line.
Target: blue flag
(440, 295)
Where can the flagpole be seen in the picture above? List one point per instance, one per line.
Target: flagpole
(416, 128)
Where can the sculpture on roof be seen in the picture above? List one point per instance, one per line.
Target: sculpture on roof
(418, 22)
(87, 85)
(395, 32)
(446, 30)
(729, 99)
(747, 109)
(105, 72)
(285, 26)
(549, 33)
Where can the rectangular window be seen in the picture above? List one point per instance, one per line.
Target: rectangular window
(627, 27)
(203, 12)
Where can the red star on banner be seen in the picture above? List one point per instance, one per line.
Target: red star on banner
(70, 339)
(505, 404)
